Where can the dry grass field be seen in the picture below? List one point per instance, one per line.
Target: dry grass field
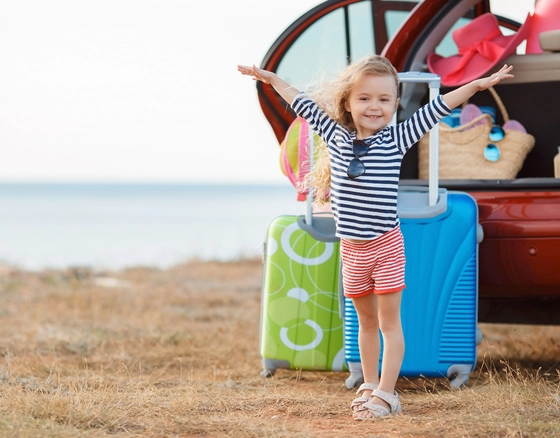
(165, 353)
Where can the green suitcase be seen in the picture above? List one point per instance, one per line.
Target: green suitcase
(301, 325)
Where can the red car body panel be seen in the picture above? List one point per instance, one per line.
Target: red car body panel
(520, 253)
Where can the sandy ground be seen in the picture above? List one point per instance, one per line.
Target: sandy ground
(150, 352)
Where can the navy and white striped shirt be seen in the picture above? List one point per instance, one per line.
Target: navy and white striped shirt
(366, 207)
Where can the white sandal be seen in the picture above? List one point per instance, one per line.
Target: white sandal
(357, 403)
(379, 411)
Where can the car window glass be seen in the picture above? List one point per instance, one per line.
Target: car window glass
(319, 52)
(394, 20)
(361, 30)
(516, 10)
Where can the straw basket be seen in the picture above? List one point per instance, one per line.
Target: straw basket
(461, 150)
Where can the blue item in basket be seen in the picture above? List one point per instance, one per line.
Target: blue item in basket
(439, 304)
(453, 119)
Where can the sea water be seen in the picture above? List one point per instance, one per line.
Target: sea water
(113, 226)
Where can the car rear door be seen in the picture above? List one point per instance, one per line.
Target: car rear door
(322, 42)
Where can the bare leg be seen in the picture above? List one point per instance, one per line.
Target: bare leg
(389, 314)
(368, 337)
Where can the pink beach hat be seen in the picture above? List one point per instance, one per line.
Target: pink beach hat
(481, 46)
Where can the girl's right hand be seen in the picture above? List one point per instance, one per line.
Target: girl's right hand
(256, 73)
(284, 89)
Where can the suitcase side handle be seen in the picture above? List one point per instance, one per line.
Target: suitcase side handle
(322, 228)
(413, 202)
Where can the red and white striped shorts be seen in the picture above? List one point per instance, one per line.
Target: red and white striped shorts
(373, 266)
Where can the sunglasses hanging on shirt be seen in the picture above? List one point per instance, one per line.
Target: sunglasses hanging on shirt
(356, 168)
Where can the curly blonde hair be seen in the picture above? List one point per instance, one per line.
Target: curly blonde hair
(332, 98)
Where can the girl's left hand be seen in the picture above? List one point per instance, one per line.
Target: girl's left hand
(495, 78)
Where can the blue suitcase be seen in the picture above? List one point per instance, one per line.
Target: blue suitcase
(439, 305)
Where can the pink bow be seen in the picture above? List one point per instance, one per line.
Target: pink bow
(485, 48)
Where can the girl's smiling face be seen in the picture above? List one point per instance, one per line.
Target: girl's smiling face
(372, 103)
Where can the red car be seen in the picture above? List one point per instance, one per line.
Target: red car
(519, 258)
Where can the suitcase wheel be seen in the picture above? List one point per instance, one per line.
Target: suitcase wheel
(354, 381)
(267, 373)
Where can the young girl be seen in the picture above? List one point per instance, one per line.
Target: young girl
(364, 155)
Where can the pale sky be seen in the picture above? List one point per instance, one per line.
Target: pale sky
(137, 90)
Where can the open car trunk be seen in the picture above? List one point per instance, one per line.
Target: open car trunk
(520, 255)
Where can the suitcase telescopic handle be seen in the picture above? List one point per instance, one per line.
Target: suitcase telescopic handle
(320, 225)
(309, 197)
(434, 83)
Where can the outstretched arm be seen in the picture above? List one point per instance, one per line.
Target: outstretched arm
(282, 87)
(456, 97)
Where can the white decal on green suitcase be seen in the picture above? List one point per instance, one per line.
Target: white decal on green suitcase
(299, 294)
(311, 345)
(291, 253)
